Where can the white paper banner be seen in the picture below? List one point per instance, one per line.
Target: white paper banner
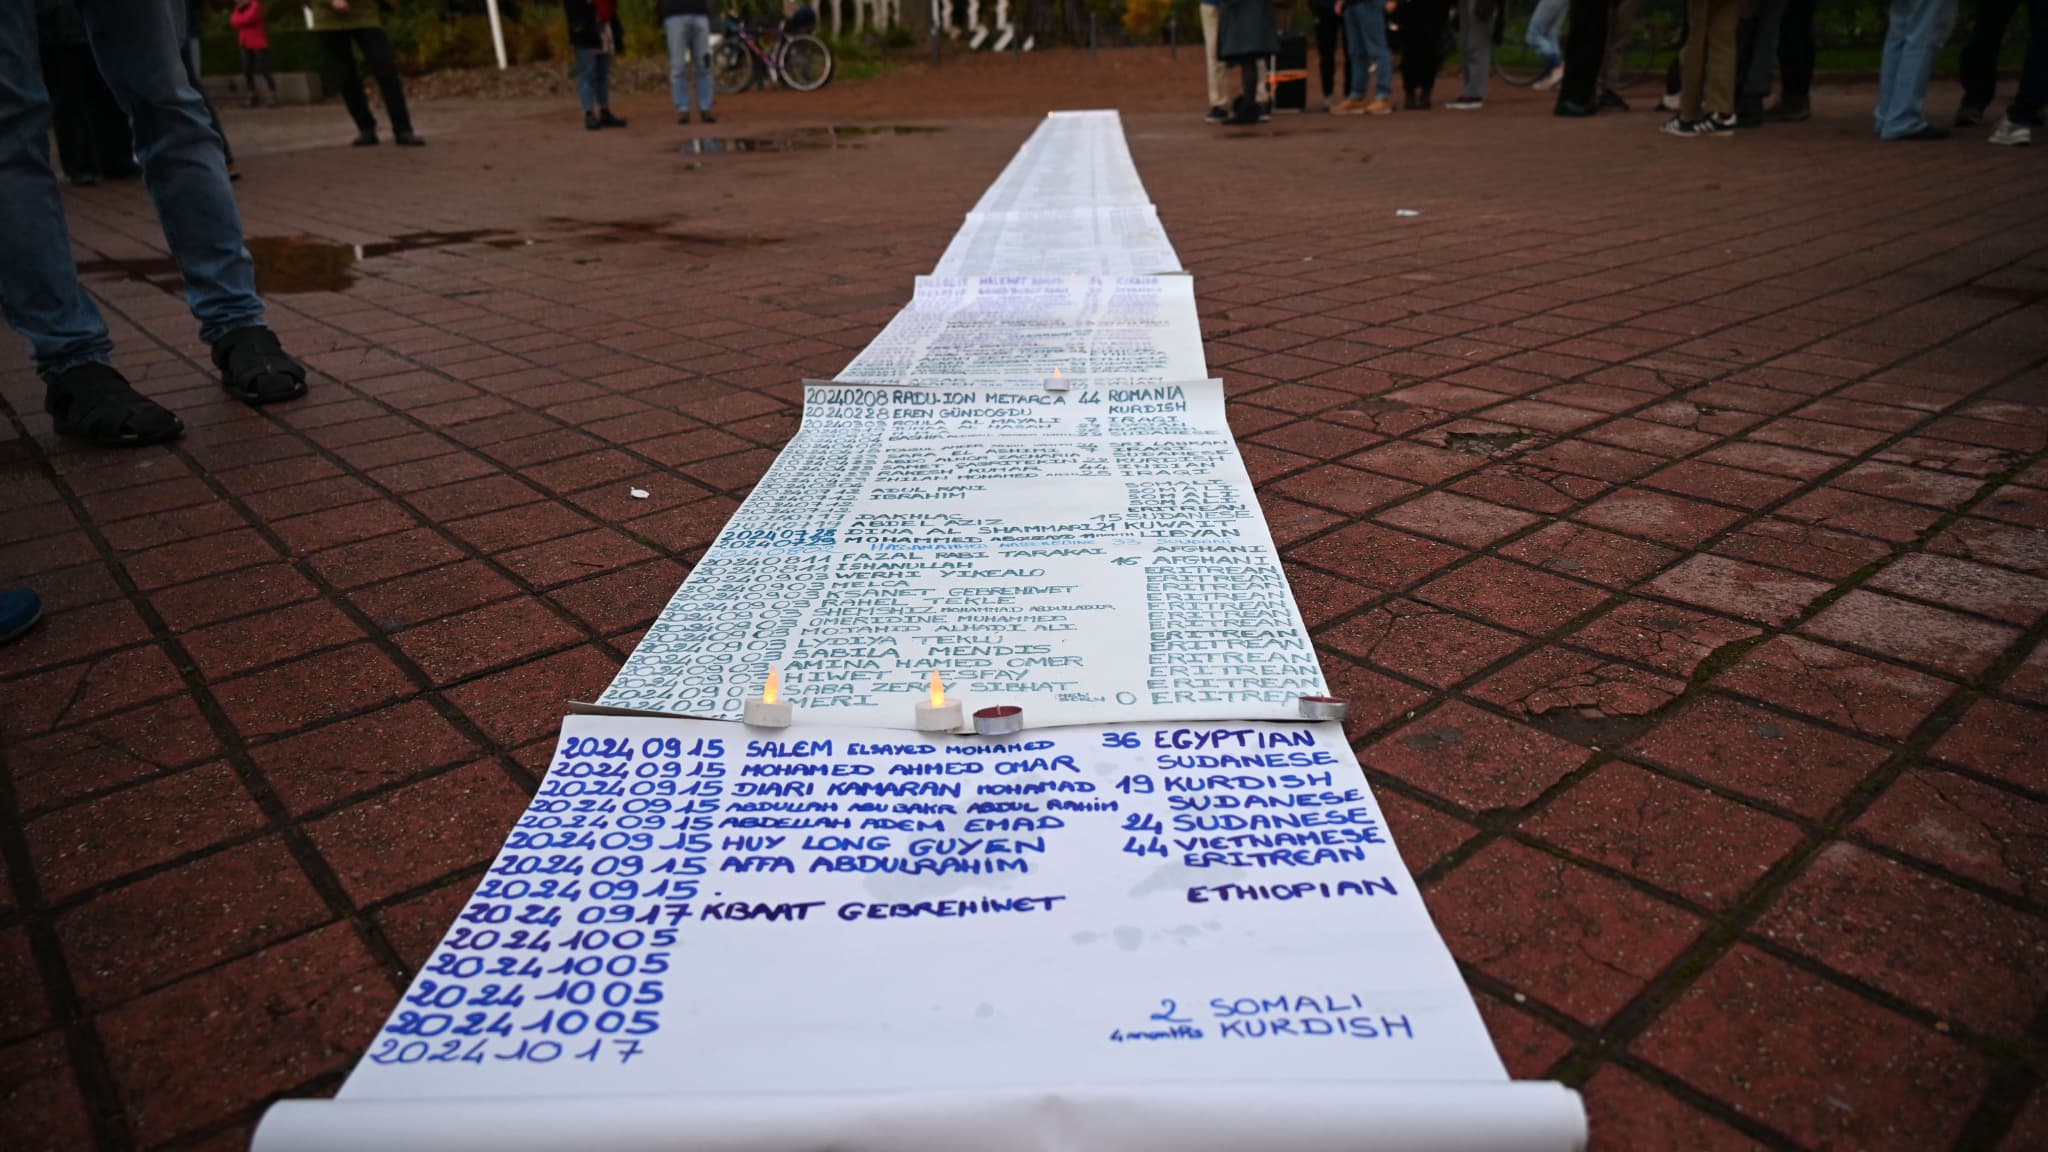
(1089, 556)
(705, 936)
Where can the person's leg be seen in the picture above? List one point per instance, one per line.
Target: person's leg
(698, 41)
(1621, 22)
(1721, 56)
(1923, 26)
(263, 66)
(1756, 55)
(1376, 46)
(1215, 69)
(1356, 53)
(1542, 33)
(1693, 89)
(678, 64)
(586, 80)
(383, 65)
(339, 49)
(249, 74)
(182, 161)
(39, 288)
(1979, 63)
(2027, 102)
(1475, 43)
(1327, 27)
(1422, 48)
(1585, 47)
(1795, 56)
(190, 58)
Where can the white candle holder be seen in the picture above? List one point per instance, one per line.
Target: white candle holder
(938, 717)
(760, 713)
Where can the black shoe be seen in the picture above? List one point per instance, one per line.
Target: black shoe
(590, 123)
(1217, 115)
(366, 138)
(605, 119)
(409, 140)
(84, 179)
(1412, 102)
(1748, 118)
(1927, 132)
(682, 117)
(1609, 98)
(1572, 109)
(255, 369)
(1969, 115)
(93, 402)
(708, 117)
(1787, 112)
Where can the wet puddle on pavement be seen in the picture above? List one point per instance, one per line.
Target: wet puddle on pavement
(289, 265)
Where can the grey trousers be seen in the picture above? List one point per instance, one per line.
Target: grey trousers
(1756, 39)
(1475, 44)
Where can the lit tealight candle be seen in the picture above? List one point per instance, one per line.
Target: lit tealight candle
(1057, 382)
(769, 709)
(938, 714)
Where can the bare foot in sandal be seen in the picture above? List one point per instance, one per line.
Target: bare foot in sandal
(255, 369)
(94, 402)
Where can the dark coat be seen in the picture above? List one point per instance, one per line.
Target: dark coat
(1245, 30)
(584, 30)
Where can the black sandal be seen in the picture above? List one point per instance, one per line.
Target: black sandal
(254, 368)
(94, 402)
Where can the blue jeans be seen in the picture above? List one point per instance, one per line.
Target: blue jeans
(1544, 25)
(594, 78)
(137, 44)
(689, 48)
(1918, 30)
(1365, 46)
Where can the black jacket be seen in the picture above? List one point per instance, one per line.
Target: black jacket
(584, 30)
(668, 8)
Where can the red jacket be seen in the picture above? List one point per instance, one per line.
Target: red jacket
(248, 21)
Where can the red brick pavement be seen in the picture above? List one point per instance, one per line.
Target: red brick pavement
(1674, 511)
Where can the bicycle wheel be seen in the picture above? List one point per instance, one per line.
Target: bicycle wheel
(806, 63)
(732, 68)
(1513, 60)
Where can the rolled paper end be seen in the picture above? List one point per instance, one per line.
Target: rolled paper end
(1002, 720)
(1324, 708)
(938, 717)
(759, 713)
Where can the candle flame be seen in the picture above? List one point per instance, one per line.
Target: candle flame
(938, 690)
(1057, 373)
(773, 691)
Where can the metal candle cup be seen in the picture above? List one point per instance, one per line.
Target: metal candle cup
(1001, 720)
(1324, 708)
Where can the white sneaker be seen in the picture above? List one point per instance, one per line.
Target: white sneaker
(1465, 104)
(2008, 132)
(1550, 81)
(1668, 102)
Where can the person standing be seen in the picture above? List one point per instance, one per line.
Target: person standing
(1795, 64)
(1542, 38)
(344, 26)
(1621, 21)
(595, 34)
(1422, 50)
(1247, 37)
(91, 130)
(1584, 55)
(1219, 70)
(1371, 87)
(1756, 55)
(1979, 63)
(2025, 110)
(1475, 44)
(687, 24)
(255, 41)
(1918, 30)
(1707, 103)
(138, 46)
(1329, 35)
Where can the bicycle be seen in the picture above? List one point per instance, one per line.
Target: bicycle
(794, 58)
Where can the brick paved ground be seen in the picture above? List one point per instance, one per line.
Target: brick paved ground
(1673, 512)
